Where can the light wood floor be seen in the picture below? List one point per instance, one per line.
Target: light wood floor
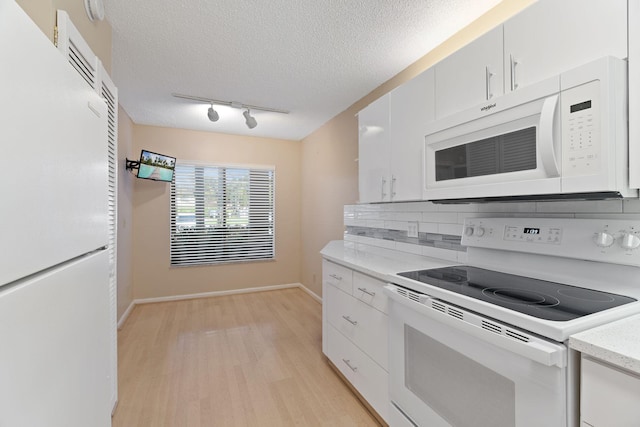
(241, 360)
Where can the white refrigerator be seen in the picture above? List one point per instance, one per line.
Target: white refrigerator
(54, 318)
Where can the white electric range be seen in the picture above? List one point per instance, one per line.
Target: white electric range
(486, 343)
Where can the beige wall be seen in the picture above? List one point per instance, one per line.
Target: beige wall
(125, 212)
(329, 172)
(151, 272)
(329, 181)
(97, 34)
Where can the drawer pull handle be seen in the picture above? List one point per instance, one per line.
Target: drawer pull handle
(348, 319)
(348, 363)
(335, 276)
(368, 292)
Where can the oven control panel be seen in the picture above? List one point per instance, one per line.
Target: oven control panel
(613, 241)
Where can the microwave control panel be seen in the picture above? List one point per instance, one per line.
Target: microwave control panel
(581, 129)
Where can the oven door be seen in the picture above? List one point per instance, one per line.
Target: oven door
(450, 367)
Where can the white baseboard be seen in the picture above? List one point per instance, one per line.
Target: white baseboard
(310, 292)
(126, 314)
(216, 293)
(135, 302)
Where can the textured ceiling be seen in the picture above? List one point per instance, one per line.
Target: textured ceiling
(312, 57)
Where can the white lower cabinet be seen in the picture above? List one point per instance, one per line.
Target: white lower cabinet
(337, 275)
(362, 372)
(609, 397)
(354, 328)
(358, 322)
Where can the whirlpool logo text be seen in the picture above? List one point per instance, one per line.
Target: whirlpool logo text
(488, 107)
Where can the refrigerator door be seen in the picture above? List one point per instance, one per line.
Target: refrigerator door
(54, 357)
(53, 169)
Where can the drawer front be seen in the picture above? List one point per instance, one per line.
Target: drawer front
(369, 290)
(363, 373)
(365, 326)
(337, 275)
(608, 397)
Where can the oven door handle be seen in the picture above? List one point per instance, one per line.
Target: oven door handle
(543, 352)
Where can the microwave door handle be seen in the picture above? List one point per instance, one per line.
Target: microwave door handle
(547, 140)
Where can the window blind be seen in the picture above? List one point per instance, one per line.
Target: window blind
(222, 214)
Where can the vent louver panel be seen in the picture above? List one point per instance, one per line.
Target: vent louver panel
(109, 93)
(71, 44)
(76, 50)
(414, 297)
(490, 326)
(437, 305)
(463, 315)
(82, 64)
(455, 313)
(517, 335)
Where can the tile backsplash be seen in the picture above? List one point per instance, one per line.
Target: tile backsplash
(440, 226)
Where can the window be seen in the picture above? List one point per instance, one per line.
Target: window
(222, 214)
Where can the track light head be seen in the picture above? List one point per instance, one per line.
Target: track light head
(213, 114)
(249, 119)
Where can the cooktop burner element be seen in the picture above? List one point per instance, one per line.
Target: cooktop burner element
(538, 298)
(519, 296)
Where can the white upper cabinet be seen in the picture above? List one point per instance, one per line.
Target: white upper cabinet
(411, 107)
(374, 151)
(391, 138)
(552, 36)
(471, 75)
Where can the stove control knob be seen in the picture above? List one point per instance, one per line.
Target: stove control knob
(603, 239)
(468, 231)
(630, 241)
(478, 232)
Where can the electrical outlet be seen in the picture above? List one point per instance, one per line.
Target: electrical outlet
(413, 229)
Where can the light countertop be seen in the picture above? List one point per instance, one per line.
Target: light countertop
(375, 261)
(617, 343)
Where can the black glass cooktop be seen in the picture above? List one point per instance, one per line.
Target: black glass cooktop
(539, 298)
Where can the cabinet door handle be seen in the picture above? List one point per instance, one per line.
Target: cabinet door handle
(366, 291)
(348, 363)
(514, 83)
(384, 181)
(488, 75)
(348, 319)
(335, 276)
(393, 187)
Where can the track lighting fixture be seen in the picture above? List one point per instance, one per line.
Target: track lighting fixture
(249, 119)
(213, 115)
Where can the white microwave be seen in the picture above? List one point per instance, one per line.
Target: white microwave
(565, 137)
